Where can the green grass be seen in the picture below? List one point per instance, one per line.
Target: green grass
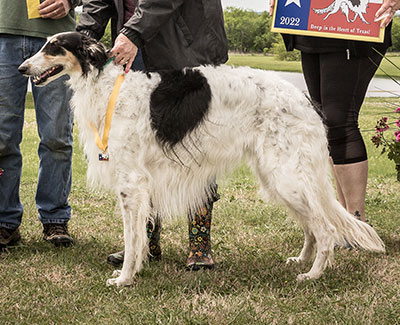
(251, 283)
(271, 63)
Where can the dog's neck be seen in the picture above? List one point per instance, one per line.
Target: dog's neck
(92, 77)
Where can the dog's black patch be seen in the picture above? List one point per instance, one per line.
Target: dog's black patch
(355, 2)
(178, 105)
(53, 49)
(86, 49)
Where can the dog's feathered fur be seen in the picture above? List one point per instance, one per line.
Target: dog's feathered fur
(173, 132)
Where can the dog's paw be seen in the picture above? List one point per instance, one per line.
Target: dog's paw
(296, 260)
(116, 273)
(303, 277)
(119, 282)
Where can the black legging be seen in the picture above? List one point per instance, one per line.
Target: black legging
(337, 85)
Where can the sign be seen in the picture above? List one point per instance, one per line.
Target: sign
(345, 19)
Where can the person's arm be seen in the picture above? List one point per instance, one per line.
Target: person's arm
(124, 51)
(149, 17)
(387, 11)
(95, 17)
(271, 7)
(57, 9)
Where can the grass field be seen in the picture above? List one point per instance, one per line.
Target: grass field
(271, 63)
(251, 283)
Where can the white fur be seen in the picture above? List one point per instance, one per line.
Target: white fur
(254, 115)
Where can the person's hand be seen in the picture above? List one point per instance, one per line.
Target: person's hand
(271, 7)
(124, 51)
(387, 11)
(54, 9)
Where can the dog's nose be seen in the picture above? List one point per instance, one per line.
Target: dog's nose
(23, 69)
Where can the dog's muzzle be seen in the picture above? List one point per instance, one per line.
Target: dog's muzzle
(41, 77)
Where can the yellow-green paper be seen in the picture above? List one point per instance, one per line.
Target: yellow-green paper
(32, 6)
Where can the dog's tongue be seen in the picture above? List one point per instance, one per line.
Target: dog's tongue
(45, 75)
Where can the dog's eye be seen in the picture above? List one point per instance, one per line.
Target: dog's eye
(53, 49)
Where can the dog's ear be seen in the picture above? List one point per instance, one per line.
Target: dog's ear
(94, 52)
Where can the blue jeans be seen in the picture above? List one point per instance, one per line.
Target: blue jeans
(54, 121)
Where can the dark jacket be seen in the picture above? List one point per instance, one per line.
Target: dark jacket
(172, 34)
(311, 44)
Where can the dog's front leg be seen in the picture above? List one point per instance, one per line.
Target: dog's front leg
(135, 211)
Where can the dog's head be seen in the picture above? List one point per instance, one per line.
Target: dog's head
(64, 53)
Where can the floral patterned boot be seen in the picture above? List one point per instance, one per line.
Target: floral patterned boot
(200, 255)
(153, 233)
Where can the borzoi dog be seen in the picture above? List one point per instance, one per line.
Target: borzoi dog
(174, 132)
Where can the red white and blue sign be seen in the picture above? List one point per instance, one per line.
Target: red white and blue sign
(346, 19)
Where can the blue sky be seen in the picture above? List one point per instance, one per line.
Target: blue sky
(256, 5)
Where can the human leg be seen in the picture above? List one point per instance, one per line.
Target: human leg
(13, 88)
(54, 120)
(200, 254)
(352, 182)
(343, 87)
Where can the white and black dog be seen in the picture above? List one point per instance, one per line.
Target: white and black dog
(173, 132)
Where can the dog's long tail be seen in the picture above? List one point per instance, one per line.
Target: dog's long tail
(351, 231)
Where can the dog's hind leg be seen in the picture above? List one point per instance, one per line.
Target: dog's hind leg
(298, 191)
(135, 207)
(319, 233)
(319, 237)
(324, 254)
(308, 251)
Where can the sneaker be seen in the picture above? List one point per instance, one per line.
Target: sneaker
(57, 234)
(8, 237)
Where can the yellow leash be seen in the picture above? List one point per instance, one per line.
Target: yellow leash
(102, 143)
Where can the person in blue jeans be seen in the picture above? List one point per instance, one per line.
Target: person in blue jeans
(20, 38)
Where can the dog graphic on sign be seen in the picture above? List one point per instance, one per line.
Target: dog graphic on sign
(358, 7)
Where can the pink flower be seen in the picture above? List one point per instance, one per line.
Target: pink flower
(397, 123)
(397, 135)
(397, 110)
(376, 140)
(380, 130)
(382, 125)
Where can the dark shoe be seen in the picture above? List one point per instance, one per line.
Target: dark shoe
(153, 233)
(116, 259)
(200, 256)
(57, 234)
(9, 237)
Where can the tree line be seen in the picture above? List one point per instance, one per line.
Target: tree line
(250, 32)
